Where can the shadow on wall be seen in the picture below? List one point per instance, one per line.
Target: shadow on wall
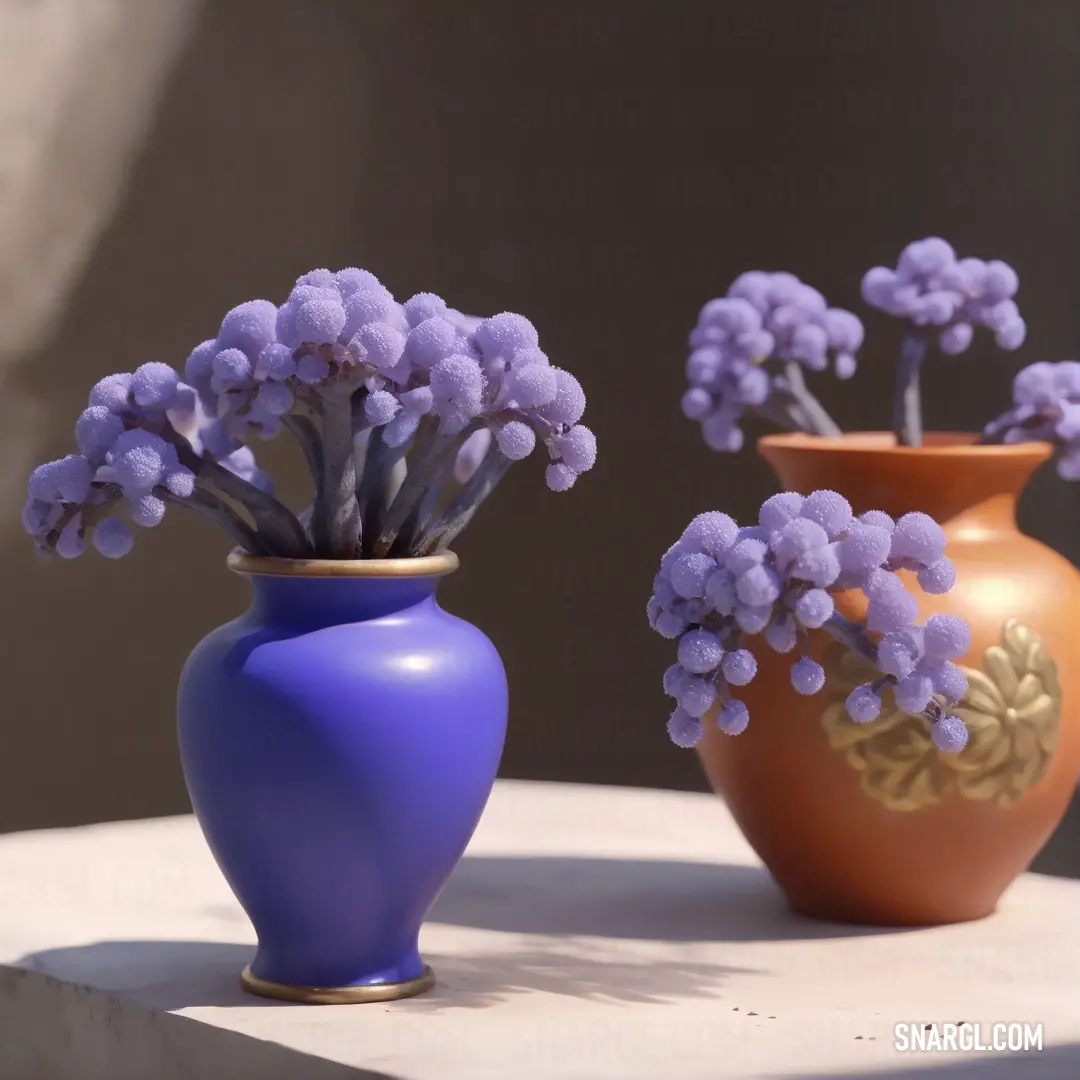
(602, 171)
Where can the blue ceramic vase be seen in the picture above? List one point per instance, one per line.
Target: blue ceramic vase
(339, 741)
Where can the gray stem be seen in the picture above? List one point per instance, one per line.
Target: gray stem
(818, 420)
(307, 436)
(421, 475)
(336, 518)
(422, 517)
(907, 404)
(468, 500)
(852, 635)
(373, 493)
(282, 533)
(205, 504)
(783, 413)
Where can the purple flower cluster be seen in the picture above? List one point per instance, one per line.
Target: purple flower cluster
(338, 360)
(1046, 408)
(748, 348)
(721, 584)
(343, 333)
(122, 459)
(936, 292)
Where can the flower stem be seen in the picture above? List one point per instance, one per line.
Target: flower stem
(222, 515)
(907, 404)
(852, 635)
(336, 519)
(804, 409)
(420, 520)
(375, 490)
(307, 436)
(468, 500)
(282, 533)
(421, 475)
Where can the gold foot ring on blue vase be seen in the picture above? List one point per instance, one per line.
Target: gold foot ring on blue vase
(337, 995)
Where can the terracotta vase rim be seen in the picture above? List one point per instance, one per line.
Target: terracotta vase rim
(937, 444)
(445, 562)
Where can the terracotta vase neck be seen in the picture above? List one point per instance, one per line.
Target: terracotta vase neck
(975, 488)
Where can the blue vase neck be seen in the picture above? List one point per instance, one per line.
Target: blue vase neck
(316, 602)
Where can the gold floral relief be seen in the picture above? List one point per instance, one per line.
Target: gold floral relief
(1011, 709)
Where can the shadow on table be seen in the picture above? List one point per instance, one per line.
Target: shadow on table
(571, 969)
(643, 899)
(170, 975)
(1054, 1063)
(44, 1033)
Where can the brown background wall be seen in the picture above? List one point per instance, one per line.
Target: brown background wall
(604, 167)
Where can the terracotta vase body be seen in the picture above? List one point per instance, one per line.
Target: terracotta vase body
(869, 823)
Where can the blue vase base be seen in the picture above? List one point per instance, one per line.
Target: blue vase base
(355, 994)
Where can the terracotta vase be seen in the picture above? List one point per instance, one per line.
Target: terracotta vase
(869, 823)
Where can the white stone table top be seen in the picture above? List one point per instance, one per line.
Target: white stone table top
(589, 934)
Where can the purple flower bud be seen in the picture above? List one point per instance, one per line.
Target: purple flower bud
(71, 543)
(781, 634)
(457, 386)
(863, 704)
(232, 367)
(920, 538)
(568, 406)
(739, 667)
(559, 476)
(950, 735)
(955, 339)
(505, 334)
(383, 345)
(112, 538)
(939, 578)
(96, 430)
(795, 539)
(863, 548)
(814, 608)
(945, 637)
(947, 679)
(147, 511)
(320, 321)
(750, 619)
(778, 511)
(759, 586)
(423, 306)
(913, 693)
(153, 385)
(380, 408)
(828, 509)
(517, 440)
(733, 718)
(700, 651)
(139, 460)
(893, 610)
(696, 696)
(249, 327)
(181, 482)
(112, 392)
(722, 434)
(311, 369)
(683, 729)
(578, 448)
(807, 676)
(431, 341)
(319, 279)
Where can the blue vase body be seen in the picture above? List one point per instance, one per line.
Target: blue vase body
(339, 742)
